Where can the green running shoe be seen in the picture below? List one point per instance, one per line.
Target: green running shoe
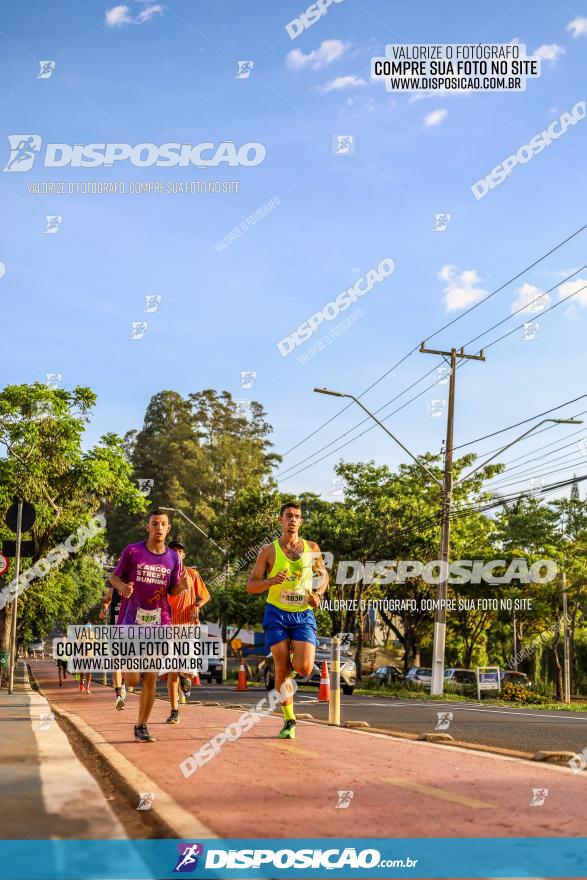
(288, 731)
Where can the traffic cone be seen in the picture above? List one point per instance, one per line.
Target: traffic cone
(196, 680)
(324, 691)
(242, 679)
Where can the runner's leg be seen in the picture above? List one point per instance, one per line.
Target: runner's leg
(173, 691)
(303, 657)
(117, 683)
(148, 694)
(283, 684)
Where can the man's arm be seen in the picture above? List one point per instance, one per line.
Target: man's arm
(320, 579)
(179, 581)
(123, 588)
(120, 572)
(106, 600)
(257, 582)
(205, 597)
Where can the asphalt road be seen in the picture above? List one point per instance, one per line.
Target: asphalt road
(528, 730)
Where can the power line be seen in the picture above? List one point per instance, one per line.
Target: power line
(367, 419)
(287, 471)
(536, 434)
(436, 333)
(524, 477)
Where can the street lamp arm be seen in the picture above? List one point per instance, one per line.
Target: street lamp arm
(521, 437)
(381, 425)
(196, 526)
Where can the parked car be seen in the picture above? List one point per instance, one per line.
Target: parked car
(386, 675)
(37, 648)
(514, 678)
(419, 675)
(215, 669)
(348, 669)
(459, 676)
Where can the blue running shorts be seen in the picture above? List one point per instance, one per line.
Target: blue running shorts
(279, 625)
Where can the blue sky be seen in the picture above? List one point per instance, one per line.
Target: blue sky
(159, 73)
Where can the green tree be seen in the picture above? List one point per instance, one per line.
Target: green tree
(41, 430)
(203, 455)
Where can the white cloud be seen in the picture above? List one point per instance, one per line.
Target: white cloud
(529, 293)
(460, 290)
(549, 52)
(149, 12)
(577, 27)
(435, 118)
(342, 82)
(118, 15)
(570, 287)
(327, 52)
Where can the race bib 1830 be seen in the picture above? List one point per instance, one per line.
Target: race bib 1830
(146, 618)
(288, 598)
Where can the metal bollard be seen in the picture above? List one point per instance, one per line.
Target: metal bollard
(334, 705)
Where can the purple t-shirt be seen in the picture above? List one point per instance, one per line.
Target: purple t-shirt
(152, 574)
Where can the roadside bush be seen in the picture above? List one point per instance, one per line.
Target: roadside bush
(516, 693)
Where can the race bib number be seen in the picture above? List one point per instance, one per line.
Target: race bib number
(289, 598)
(148, 618)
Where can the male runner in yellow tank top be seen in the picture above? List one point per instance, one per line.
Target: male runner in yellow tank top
(293, 571)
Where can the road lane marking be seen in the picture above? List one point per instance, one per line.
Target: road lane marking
(294, 749)
(457, 707)
(441, 794)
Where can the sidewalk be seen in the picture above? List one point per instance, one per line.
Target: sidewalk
(261, 787)
(51, 795)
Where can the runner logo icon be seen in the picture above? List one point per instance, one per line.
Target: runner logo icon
(23, 151)
(187, 860)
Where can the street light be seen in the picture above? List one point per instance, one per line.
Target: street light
(521, 437)
(192, 523)
(381, 425)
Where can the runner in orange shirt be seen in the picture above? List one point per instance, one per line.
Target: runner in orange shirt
(185, 608)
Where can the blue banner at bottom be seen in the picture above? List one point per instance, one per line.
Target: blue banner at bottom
(303, 858)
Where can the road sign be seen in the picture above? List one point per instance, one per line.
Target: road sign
(4, 563)
(29, 515)
(236, 644)
(27, 548)
(488, 679)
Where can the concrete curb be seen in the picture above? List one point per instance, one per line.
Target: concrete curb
(436, 737)
(131, 781)
(414, 737)
(554, 757)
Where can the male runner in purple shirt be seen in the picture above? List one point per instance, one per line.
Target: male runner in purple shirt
(145, 574)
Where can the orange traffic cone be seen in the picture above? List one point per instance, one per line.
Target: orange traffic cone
(196, 680)
(324, 691)
(242, 679)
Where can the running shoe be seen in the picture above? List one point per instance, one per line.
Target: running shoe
(88, 691)
(123, 692)
(119, 703)
(142, 735)
(288, 731)
(173, 718)
(185, 684)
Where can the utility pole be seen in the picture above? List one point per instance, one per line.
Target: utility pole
(566, 665)
(15, 602)
(437, 684)
(515, 645)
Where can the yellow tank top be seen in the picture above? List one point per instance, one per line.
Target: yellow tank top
(291, 594)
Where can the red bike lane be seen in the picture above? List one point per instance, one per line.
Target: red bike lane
(262, 787)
